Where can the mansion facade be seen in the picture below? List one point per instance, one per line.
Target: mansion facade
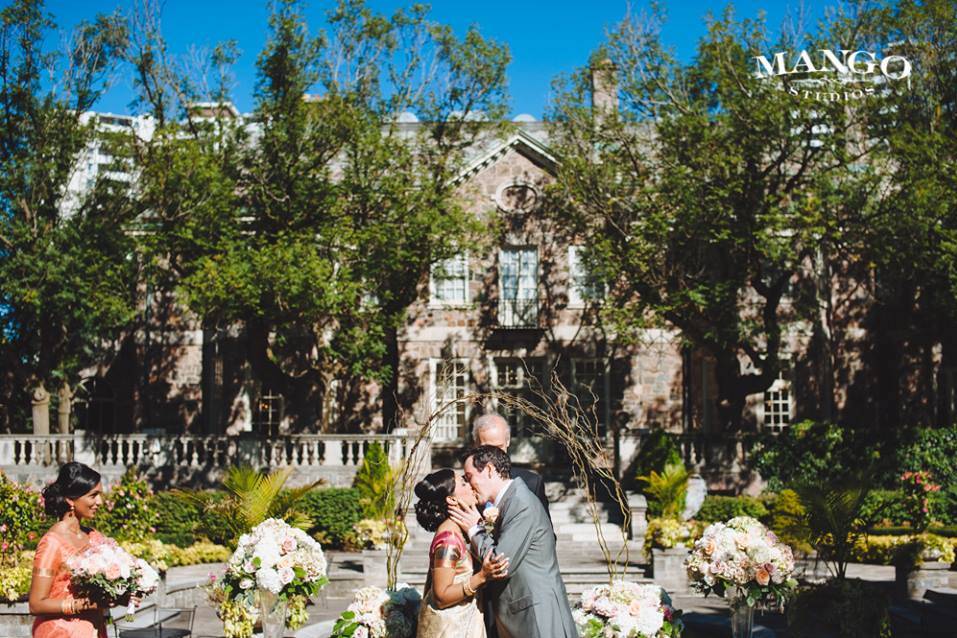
(499, 320)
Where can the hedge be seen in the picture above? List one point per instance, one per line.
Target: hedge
(334, 511)
(721, 508)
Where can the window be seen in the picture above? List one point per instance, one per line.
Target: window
(583, 287)
(269, 413)
(449, 385)
(777, 402)
(521, 378)
(449, 285)
(590, 385)
(518, 287)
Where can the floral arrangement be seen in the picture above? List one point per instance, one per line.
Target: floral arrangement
(627, 610)
(107, 573)
(917, 488)
(377, 613)
(743, 561)
(667, 533)
(274, 557)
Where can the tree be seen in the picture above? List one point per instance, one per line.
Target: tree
(702, 196)
(67, 266)
(329, 210)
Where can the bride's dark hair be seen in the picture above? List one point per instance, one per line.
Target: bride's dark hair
(73, 481)
(431, 508)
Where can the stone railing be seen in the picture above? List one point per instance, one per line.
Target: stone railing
(196, 459)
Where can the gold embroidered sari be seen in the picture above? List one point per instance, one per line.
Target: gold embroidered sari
(462, 620)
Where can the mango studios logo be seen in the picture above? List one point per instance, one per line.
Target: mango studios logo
(830, 76)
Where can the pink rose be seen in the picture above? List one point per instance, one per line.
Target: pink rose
(289, 544)
(113, 572)
(3, 528)
(762, 576)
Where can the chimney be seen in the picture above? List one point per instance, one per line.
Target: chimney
(604, 87)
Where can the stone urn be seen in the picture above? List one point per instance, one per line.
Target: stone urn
(668, 568)
(913, 580)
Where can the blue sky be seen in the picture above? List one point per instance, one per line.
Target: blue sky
(545, 37)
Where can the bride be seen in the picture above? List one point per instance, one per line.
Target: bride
(449, 608)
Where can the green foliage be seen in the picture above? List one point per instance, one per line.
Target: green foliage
(309, 236)
(924, 548)
(931, 450)
(658, 450)
(666, 533)
(250, 498)
(178, 518)
(788, 519)
(375, 482)
(834, 518)
(884, 507)
(722, 508)
(15, 577)
(335, 512)
(666, 491)
(849, 608)
(809, 453)
(128, 514)
(67, 280)
(22, 519)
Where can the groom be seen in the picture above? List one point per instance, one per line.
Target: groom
(531, 601)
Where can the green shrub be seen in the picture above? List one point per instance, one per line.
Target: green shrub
(178, 517)
(657, 452)
(931, 450)
(884, 506)
(788, 519)
(15, 577)
(849, 608)
(22, 519)
(722, 508)
(213, 526)
(335, 512)
(810, 453)
(666, 533)
(666, 492)
(128, 514)
(375, 482)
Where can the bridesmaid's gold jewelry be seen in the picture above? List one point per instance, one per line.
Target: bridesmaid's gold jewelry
(43, 572)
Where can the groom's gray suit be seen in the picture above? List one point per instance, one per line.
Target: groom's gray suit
(531, 602)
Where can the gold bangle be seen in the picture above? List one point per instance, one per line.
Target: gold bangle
(467, 589)
(67, 607)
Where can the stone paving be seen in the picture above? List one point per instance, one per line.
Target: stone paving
(707, 617)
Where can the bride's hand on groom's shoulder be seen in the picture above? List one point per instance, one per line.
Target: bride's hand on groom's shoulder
(464, 517)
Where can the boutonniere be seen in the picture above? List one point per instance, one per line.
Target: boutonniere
(489, 517)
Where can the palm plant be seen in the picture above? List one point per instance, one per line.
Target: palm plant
(250, 498)
(834, 518)
(375, 480)
(666, 491)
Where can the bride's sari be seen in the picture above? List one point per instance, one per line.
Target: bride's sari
(462, 620)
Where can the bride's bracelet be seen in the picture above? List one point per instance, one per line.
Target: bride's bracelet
(68, 606)
(467, 589)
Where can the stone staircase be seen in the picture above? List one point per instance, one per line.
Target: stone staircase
(579, 556)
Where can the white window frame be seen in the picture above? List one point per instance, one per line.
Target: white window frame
(781, 384)
(578, 286)
(460, 260)
(442, 431)
(524, 388)
(520, 310)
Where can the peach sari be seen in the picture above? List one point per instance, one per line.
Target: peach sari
(52, 551)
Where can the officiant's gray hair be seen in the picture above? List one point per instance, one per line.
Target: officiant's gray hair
(488, 420)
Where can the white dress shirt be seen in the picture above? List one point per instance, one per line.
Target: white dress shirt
(475, 529)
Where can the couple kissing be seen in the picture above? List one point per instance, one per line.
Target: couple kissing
(502, 564)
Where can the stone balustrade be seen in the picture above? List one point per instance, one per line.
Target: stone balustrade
(195, 459)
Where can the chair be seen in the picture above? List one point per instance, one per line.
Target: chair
(168, 622)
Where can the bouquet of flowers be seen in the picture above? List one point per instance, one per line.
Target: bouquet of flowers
(741, 560)
(627, 610)
(374, 613)
(274, 558)
(107, 573)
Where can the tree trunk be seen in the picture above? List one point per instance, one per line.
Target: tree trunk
(390, 390)
(823, 334)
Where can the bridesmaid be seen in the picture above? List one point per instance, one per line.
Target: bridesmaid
(73, 498)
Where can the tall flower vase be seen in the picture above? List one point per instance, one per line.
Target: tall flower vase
(742, 619)
(272, 612)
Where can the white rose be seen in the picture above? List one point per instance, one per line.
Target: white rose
(286, 575)
(268, 579)
(246, 583)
